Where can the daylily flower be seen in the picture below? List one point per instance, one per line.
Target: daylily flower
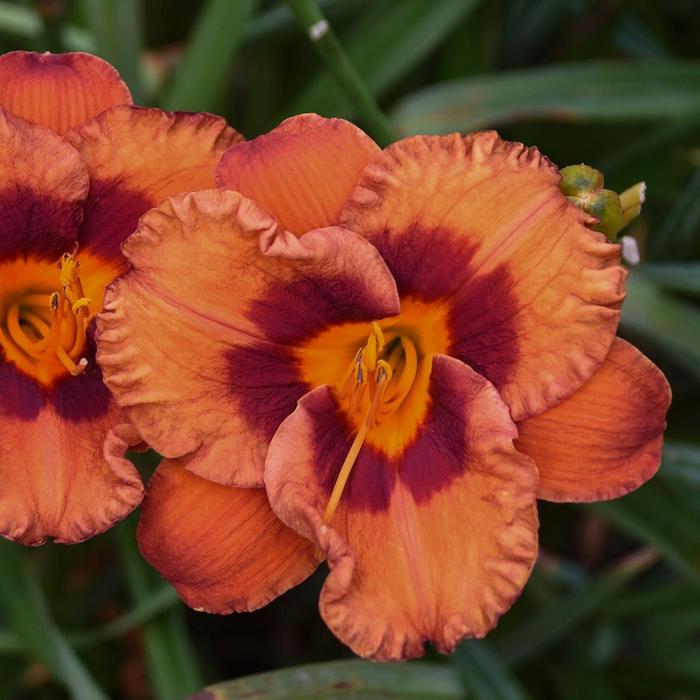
(406, 347)
(78, 166)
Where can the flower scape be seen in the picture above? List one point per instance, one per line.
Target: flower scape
(380, 359)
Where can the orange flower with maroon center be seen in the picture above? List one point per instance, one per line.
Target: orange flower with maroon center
(45, 312)
(405, 347)
(78, 166)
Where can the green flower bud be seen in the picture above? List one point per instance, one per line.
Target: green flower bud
(583, 186)
(577, 179)
(631, 200)
(605, 205)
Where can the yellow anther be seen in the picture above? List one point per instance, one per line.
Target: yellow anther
(384, 372)
(374, 346)
(70, 271)
(360, 367)
(82, 303)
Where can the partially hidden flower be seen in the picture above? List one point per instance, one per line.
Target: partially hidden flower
(405, 347)
(78, 166)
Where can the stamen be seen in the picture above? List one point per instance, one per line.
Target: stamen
(17, 334)
(72, 367)
(56, 319)
(373, 387)
(353, 453)
(69, 329)
(79, 335)
(56, 329)
(374, 347)
(346, 383)
(397, 393)
(36, 321)
(80, 305)
(70, 270)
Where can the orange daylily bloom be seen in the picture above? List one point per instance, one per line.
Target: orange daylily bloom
(424, 347)
(78, 166)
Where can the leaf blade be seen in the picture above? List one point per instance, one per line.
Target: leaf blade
(201, 74)
(384, 46)
(347, 680)
(485, 674)
(28, 611)
(594, 90)
(664, 320)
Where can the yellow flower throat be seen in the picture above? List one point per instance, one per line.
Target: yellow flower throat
(43, 325)
(374, 386)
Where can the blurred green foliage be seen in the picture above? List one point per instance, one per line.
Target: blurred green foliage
(612, 611)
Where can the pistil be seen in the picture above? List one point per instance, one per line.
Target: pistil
(374, 386)
(383, 372)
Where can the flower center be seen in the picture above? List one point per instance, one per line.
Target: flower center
(372, 389)
(41, 326)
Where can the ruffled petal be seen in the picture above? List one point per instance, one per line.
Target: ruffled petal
(59, 91)
(198, 341)
(606, 439)
(64, 476)
(479, 227)
(43, 184)
(434, 546)
(230, 553)
(301, 172)
(137, 158)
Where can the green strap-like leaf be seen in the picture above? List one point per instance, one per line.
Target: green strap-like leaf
(344, 680)
(279, 20)
(682, 225)
(532, 23)
(485, 674)
(676, 277)
(117, 26)
(554, 621)
(326, 43)
(25, 23)
(23, 601)
(666, 321)
(631, 91)
(200, 77)
(384, 46)
(157, 602)
(655, 515)
(682, 464)
(171, 660)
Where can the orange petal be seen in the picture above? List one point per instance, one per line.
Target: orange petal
(59, 91)
(478, 226)
(43, 184)
(432, 547)
(139, 157)
(606, 439)
(301, 172)
(64, 474)
(230, 553)
(198, 340)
